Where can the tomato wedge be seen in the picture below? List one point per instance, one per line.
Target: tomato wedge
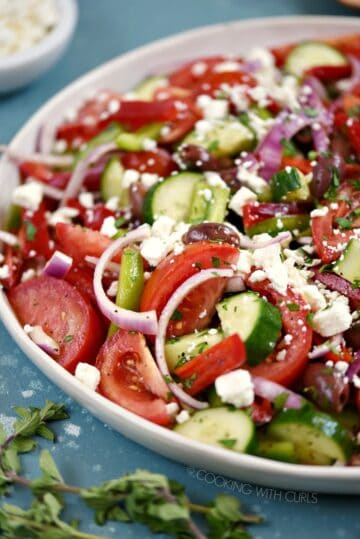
(34, 233)
(188, 74)
(326, 236)
(256, 213)
(329, 73)
(63, 313)
(79, 242)
(299, 162)
(202, 371)
(130, 377)
(174, 270)
(285, 372)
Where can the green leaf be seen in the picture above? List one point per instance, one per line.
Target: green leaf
(11, 460)
(169, 511)
(45, 432)
(24, 445)
(228, 507)
(48, 466)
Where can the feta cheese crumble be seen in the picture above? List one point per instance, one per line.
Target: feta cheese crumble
(235, 388)
(28, 196)
(334, 319)
(88, 375)
(242, 197)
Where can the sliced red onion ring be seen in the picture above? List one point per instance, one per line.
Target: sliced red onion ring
(355, 76)
(323, 121)
(247, 243)
(270, 390)
(270, 149)
(39, 337)
(145, 322)
(164, 320)
(47, 159)
(326, 347)
(8, 238)
(235, 284)
(78, 176)
(354, 368)
(46, 137)
(111, 266)
(58, 265)
(48, 190)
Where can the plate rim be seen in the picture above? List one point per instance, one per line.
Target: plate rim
(88, 398)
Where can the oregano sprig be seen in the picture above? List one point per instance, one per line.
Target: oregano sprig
(144, 497)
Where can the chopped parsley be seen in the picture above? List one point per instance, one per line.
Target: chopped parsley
(289, 149)
(213, 146)
(281, 400)
(30, 231)
(311, 112)
(331, 193)
(354, 111)
(188, 382)
(68, 338)
(344, 223)
(293, 307)
(198, 265)
(177, 315)
(216, 261)
(356, 283)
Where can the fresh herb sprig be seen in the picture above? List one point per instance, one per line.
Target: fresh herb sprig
(144, 497)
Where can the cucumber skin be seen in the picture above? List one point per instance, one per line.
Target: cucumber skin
(321, 422)
(282, 451)
(348, 266)
(290, 222)
(104, 180)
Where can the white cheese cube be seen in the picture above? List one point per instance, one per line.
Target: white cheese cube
(242, 197)
(108, 227)
(235, 388)
(88, 375)
(335, 319)
(28, 196)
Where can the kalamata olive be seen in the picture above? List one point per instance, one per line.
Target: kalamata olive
(352, 336)
(197, 158)
(137, 194)
(325, 387)
(323, 173)
(229, 176)
(211, 232)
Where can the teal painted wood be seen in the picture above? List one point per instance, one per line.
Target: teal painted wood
(89, 452)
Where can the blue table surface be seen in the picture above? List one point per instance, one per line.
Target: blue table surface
(91, 452)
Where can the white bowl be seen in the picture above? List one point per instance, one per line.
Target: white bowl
(121, 74)
(21, 68)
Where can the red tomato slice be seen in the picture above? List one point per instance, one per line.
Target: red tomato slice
(130, 377)
(330, 73)
(64, 314)
(299, 162)
(202, 370)
(261, 411)
(187, 74)
(212, 82)
(174, 270)
(354, 135)
(326, 241)
(36, 170)
(158, 162)
(295, 324)
(255, 213)
(79, 242)
(179, 128)
(34, 233)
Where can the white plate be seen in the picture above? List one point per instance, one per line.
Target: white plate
(122, 73)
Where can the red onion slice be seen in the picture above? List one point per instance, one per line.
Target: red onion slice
(270, 390)
(42, 339)
(354, 368)
(235, 284)
(145, 322)
(247, 243)
(164, 320)
(8, 238)
(110, 266)
(58, 265)
(78, 176)
(47, 159)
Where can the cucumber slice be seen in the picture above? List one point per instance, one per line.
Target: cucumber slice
(221, 427)
(289, 185)
(172, 197)
(131, 282)
(134, 142)
(200, 202)
(225, 138)
(256, 321)
(111, 180)
(312, 54)
(218, 206)
(276, 450)
(181, 349)
(348, 265)
(146, 89)
(275, 225)
(317, 437)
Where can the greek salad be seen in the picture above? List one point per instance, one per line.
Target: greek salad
(191, 249)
